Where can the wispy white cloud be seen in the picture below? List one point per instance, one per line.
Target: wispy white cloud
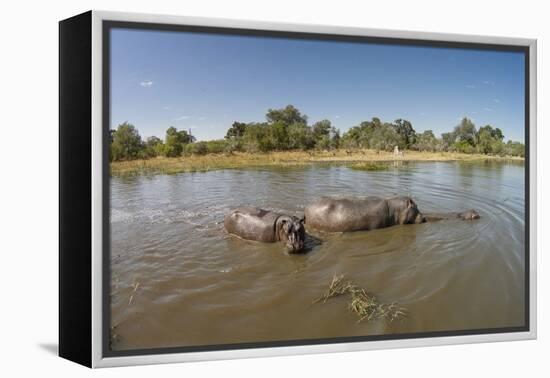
(146, 83)
(470, 86)
(336, 116)
(488, 109)
(182, 118)
(496, 100)
(488, 82)
(201, 118)
(166, 108)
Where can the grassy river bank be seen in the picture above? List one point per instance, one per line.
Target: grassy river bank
(359, 159)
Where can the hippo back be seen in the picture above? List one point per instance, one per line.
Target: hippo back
(347, 214)
(252, 223)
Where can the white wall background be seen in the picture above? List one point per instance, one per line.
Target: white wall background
(28, 200)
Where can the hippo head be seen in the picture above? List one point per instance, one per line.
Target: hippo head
(292, 232)
(469, 215)
(409, 212)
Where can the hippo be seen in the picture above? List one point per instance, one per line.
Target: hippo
(369, 213)
(464, 215)
(252, 223)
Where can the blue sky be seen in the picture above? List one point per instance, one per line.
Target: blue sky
(205, 82)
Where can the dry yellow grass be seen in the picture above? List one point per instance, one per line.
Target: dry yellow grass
(363, 304)
(195, 163)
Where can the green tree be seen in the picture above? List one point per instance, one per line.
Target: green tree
(405, 129)
(278, 133)
(321, 129)
(351, 138)
(257, 138)
(175, 141)
(335, 138)
(300, 136)
(287, 116)
(375, 135)
(172, 143)
(375, 122)
(489, 140)
(448, 140)
(236, 130)
(361, 136)
(426, 141)
(464, 146)
(485, 139)
(323, 143)
(514, 149)
(498, 147)
(126, 143)
(153, 147)
(385, 137)
(498, 134)
(466, 132)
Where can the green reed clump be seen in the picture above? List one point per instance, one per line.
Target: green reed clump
(370, 167)
(364, 305)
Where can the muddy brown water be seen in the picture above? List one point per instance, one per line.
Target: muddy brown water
(178, 280)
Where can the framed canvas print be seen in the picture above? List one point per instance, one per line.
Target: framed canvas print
(233, 189)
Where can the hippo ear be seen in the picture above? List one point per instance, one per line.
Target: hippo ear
(303, 219)
(410, 202)
(285, 225)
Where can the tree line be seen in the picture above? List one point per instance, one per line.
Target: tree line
(288, 129)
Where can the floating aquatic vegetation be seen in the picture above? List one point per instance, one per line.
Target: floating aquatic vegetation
(337, 287)
(363, 304)
(135, 286)
(366, 306)
(370, 167)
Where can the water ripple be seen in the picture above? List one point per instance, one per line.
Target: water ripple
(167, 234)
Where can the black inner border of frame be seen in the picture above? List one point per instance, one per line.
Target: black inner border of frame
(107, 26)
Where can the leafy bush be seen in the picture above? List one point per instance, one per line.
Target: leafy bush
(216, 146)
(426, 141)
(374, 135)
(126, 143)
(198, 148)
(175, 141)
(153, 147)
(514, 149)
(464, 146)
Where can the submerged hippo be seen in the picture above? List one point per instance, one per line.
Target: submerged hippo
(464, 215)
(252, 223)
(369, 213)
(355, 214)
